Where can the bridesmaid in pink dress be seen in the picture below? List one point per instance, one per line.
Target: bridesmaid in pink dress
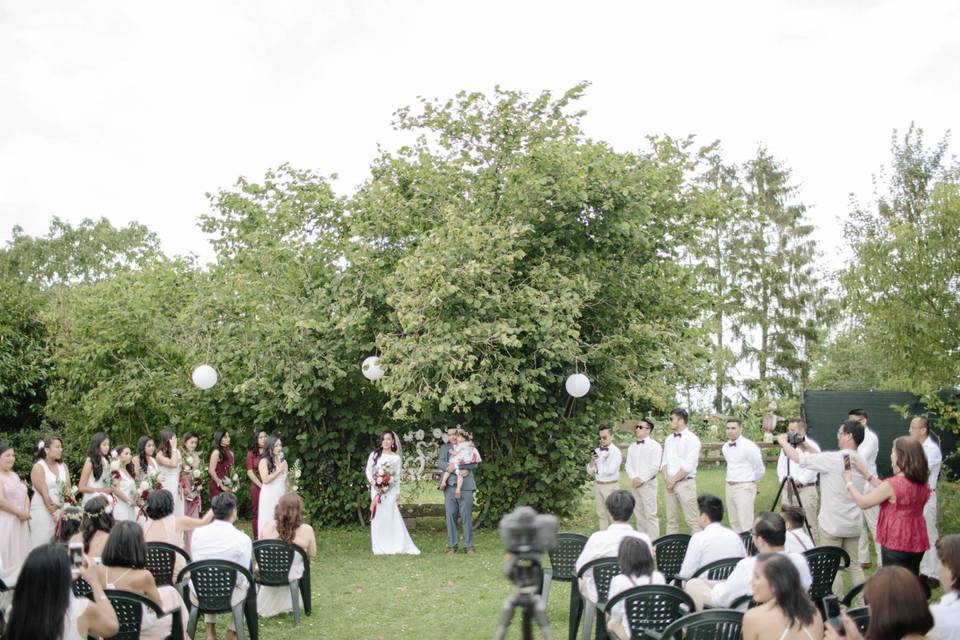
(14, 514)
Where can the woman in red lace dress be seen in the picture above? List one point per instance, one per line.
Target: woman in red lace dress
(221, 462)
(253, 473)
(901, 529)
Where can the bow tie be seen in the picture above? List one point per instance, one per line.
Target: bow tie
(732, 444)
(604, 448)
(678, 435)
(641, 441)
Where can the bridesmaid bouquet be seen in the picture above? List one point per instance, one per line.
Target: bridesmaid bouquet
(295, 473)
(383, 479)
(231, 482)
(150, 482)
(191, 478)
(68, 495)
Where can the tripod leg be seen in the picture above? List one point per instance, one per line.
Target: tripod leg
(542, 623)
(776, 499)
(506, 615)
(796, 493)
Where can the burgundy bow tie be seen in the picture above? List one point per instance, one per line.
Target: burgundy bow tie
(677, 435)
(604, 448)
(732, 444)
(640, 441)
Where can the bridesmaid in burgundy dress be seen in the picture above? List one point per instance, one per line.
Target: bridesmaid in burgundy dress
(221, 462)
(253, 472)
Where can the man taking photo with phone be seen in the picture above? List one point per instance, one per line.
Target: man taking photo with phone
(840, 518)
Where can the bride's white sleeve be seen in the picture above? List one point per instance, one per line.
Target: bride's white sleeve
(369, 469)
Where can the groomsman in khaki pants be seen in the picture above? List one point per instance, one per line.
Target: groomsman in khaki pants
(744, 470)
(643, 462)
(604, 466)
(681, 456)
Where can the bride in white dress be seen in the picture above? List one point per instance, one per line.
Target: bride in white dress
(388, 533)
(273, 475)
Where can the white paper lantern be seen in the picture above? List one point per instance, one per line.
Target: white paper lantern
(204, 376)
(371, 368)
(578, 385)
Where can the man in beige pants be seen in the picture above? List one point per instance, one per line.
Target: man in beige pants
(604, 466)
(805, 480)
(744, 470)
(840, 518)
(643, 462)
(681, 456)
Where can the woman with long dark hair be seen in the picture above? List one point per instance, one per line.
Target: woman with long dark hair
(44, 607)
(95, 527)
(96, 468)
(221, 462)
(901, 529)
(190, 481)
(14, 513)
(273, 470)
(169, 462)
(146, 462)
(898, 608)
(51, 484)
(288, 525)
(253, 473)
(124, 484)
(388, 533)
(785, 611)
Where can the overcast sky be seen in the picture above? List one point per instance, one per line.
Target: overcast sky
(133, 111)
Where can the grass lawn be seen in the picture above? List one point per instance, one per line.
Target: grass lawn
(358, 595)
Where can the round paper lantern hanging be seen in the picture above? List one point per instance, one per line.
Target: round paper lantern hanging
(371, 368)
(204, 376)
(578, 385)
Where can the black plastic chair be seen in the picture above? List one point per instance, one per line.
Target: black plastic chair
(824, 563)
(718, 569)
(212, 582)
(563, 560)
(603, 571)
(129, 608)
(162, 560)
(745, 601)
(715, 624)
(852, 595)
(747, 538)
(652, 608)
(861, 616)
(670, 551)
(82, 589)
(274, 559)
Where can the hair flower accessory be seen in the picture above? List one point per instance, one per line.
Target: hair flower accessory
(40, 445)
(114, 454)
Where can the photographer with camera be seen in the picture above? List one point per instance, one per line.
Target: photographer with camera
(604, 466)
(805, 480)
(840, 518)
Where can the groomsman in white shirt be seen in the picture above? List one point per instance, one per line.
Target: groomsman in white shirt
(681, 456)
(604, 466)
(744, 470)
(868, 450)
(920, 431)
(643, 463)
(804, 479)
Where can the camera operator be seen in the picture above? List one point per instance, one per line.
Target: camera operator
(805, 479)
(840, 518)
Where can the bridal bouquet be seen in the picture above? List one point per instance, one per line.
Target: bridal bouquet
(383, 480)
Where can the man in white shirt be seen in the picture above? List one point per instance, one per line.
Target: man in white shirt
(681, 456)
(804, 479)
(868, 451)
(840, 520)
(643, 463)
(714, 541)
(220, 540)
(769, 534)
(606, 542)
(797, 539)
(604, 466)
(744, 470)
(920, 431)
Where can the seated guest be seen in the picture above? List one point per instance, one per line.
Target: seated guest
(636, 570)
(946, 614)
(124, 566)
(68, 524)
(785, 611)
(95, 527)
(798, 540)
(898, 608)
(288, 525)
(769, 531)
(45, 607)
(606, 543)
(221, 540)
(163, 526)
(714, 541)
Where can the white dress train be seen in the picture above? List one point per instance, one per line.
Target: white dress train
(270, 494)
(388, 533)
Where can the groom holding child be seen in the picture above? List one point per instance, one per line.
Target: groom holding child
(457, 461)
